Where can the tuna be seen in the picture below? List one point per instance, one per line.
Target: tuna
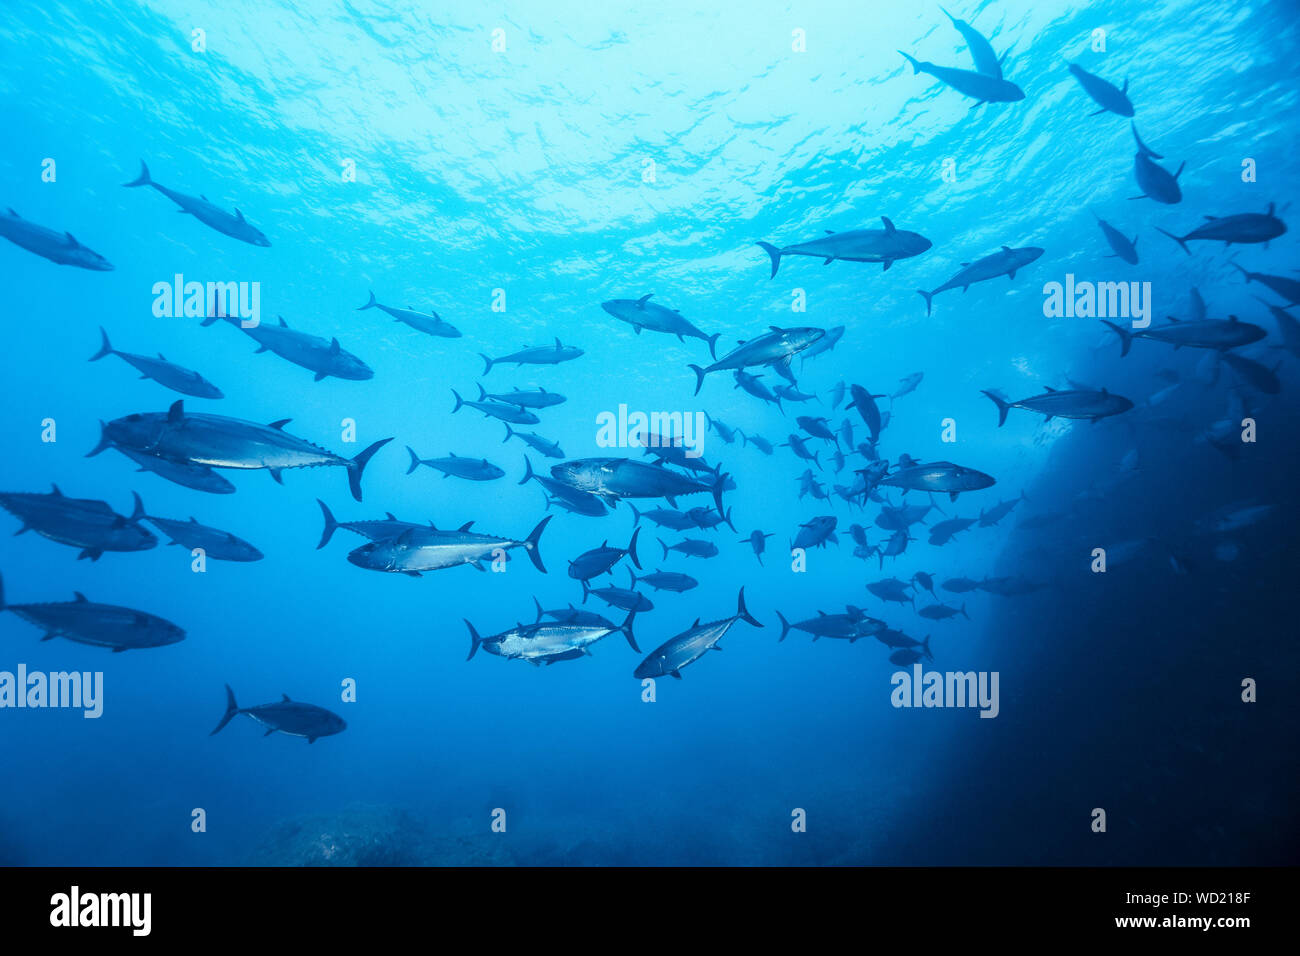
(822, 345)
(215, 543)
(800, 448)
(315, 354)
(287, 717)
(374, 530)
(759, 442)
(61, 248)
(473, 469)
(1006, 262)
(815, 533)
(551, 449)
(528, 398)
(668, 581)
(1284, 286)
(885, 246)
(817, 427)
(1215, 334)
(907, 385)
(758, 541)
(942, 612)
(99, 625)
(215, 441)
(571, 499)
(665, 518)
(938, 476)
(236, 226)
(1244, 228)
(536, 355)
(420, 549)
(981, 51)
(625, 599)
(845, 626)
(668, 659)
(497, 410)
(601, 560)
(163, 372)
(643, 314)
(865, 403)
(616, 478)
(691, 547)
(979, 86)
(943, 532)
(1110, 98)
(892, 589)
(83, 523)
(754, 386)
(427, 322)
(1082, 404)
(546, 643)
(960, 585)
(999, 511)
(198, 477)
(1154, 179)
(1121, 247)
(1255, 374)
(774, 347)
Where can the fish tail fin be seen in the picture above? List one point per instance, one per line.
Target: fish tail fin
(474, 640)
(1182, 241)
(925, 646)
(626, 628)
(533, 543)
(358, 464)
(631, 548)
(510, 433)
(105, 347)
(713, 345)
(916, 67)
(963, 611)
(1143, 147)
(487, 363)
(929, 299)
(727, 519)
(1249, 275)
(1125, 338)
(415, 459)
(143, 180)
(664, 546)
(459, 401)
(742, 612)
(785, 627)
(231, 707)
(528, 472)
(330, 524)
(717, 489)
(586, 590)
(103, 441)
(137, 509)
(636, 516)
(699, 377)
(774, 254)
(368, 305)
(1002, 405)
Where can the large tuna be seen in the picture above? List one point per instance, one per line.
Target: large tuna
(84, 523)
(286, 716)
(643, 314)
(165, 373)
(668, 659)
(885, 246)
(421, 549)
(236, 226)
(61, 248)
(99, 625)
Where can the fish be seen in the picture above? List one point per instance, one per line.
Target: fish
(98, 625)
(865, 403)
(573, 615)
(892, 637)
(895, 546)
(846, 434)
(668, 659)
(506, 413)
(799, 447)
(981, 51)
(643, 314)
(475, 469)
(815, 533)
(941, 612)
(754, 386)
(1255, 374)
(568, 497)
(942, 532)
(673, 451)
(1235, 517)
(906, 386)
(1215, 334)
(758, 441)
(792, 394)
(216, 441)
(960, 585)
(236, 226)
(979, 86)
(999, 511)
(198, 477)
(707, 518)
(902, 518)
(215, 543)
(375, 529)
(90, 525)
(625, 599)
(287, 717)
(774, 347)
(535, 355)
(668, 581)
(691, 547)
(758, 541)
(1121, 246)
(1287, 327)
(822, 345)
(1006, 262)
(938, 476)
(546, 643)
(616, 478)
(421, 549)
(551, 449)
(1108, 96)
(885, 246)
(892, 589)
(61, 248)
(725, 431)
(528, 398)
(165, 373)
(1243, 228)
(665, 518)
(837, 393)
(1284, 286)
(315, 354)
(430, 323)
(905, 657)
(1154, 179)
(1082, 404)
(601, 560)
(842, 626)
(816, 427)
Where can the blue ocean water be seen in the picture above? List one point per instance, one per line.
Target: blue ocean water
(453, 159)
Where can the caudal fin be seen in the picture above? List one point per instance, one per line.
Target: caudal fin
(330, 525)
(626, 628)
(368, 305)
(916, 67)
(487, 363)
(415, 459)
(929, 297)
(1125, 338)
(105, 347)
(774, 254)
(231, 707)
(742, 612)
(459, 401)
(104, 441)
(713, 345)
(1002, 405)
(475, 640)
(718, 484)
(1181, 240)
(143, 180)
(532, 544)
(357, 465)
(1143, 147)
(528, 472)
(631, 548)
(785, 627)
(699, 377)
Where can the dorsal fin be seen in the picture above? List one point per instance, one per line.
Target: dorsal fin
(283, 324)
(284, 699)
(335, 348)
(640, 304)
(176, 413)
(889, 226)
(239, 215)
(466, 526)
(72, 240)
(56, 492)
(81, 598)
(1006, 248)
